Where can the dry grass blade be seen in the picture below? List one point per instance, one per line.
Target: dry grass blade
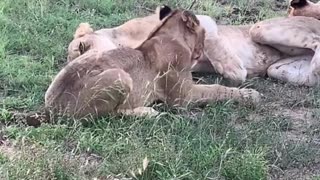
(192, 4)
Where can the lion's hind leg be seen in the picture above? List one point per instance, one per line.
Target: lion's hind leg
(295, 32)
(103, 93)
(294, 70)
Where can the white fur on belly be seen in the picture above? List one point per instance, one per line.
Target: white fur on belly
(208, 24)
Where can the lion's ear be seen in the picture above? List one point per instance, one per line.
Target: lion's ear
(157, 11)
(82, 47)
(298, 3)
(164, 11)
(83, 29)
(190, 19)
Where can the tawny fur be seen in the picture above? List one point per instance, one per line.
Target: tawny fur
(129, 34)
(83, 29)
(304, 8)
(126, 80)
(237, 52)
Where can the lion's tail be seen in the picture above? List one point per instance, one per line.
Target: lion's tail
(83, 29)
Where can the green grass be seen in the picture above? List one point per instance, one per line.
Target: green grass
(178, 147)
(223, 140)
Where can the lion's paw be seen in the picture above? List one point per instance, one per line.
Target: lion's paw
(251, 96)
(146, 111)
(140, 112)
(235, 74)
(315, 67)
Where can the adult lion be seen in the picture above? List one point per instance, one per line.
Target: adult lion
(281, 47)
(126, 80)
(285, 48)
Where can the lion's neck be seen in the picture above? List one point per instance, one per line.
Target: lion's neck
(165, 52)
(224, 30)
(213, 29)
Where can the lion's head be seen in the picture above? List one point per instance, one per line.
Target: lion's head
(304, 8)
(84, 39)
(129, 34)
(179, 32)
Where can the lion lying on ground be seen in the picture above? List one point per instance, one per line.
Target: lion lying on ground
(130, 34)
(283, 48)
(126, 80)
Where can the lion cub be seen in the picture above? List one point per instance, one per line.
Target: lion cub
(126, 80)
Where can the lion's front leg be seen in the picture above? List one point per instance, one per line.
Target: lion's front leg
(203, 94)
(139, 112)
(224, 60)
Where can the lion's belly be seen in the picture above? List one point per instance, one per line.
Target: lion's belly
(256, 58)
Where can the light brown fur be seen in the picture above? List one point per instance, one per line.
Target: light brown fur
(126, 80)
(284, 48)
(304, 8)
(237, 52)
(129, 34)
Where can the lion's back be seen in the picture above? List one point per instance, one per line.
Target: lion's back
(124, 58)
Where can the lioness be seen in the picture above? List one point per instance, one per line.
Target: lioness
(126, 80)
(284, 48)
(281, 47)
